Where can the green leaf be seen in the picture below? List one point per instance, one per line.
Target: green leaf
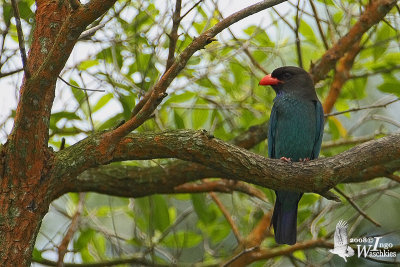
(199, 118)
(36, 255)
(251, 30)
(338, 16)
(390, 85)
(383, 34)
(99, 242)
(161, 214)
(103, 211)
(179, 123)
(299, 254)
(85, 236)
(64, 115)
(219, 232)
(184, 239)
(7, 11)
(102, 102)
(202, 209)
(260, 56)
(237, 71)
(111, 122)
(335, 127)
(308, 32)
(87, 64)
(180, 98)
(127, 103)
(25, 10)
(205, 82)
(78, 93)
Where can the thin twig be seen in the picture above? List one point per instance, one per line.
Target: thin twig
(88, 104)
(77, 87)
(227, 216)
(3, 40)
(384, 105)
(244, 251)
(318, 21)
(223, 186)
(187, 12)
(356, 207)
(283, 19)
(20, 38)
(91, 31)
(385, 119)
(173, 36)
(5, 74)
(182, 216)
(296, 32)
(376, 72)
(349, 141)
(62, 248)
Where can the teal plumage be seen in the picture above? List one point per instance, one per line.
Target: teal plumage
(295, 132)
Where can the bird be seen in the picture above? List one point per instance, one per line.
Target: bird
(295, 134)
(341, 243)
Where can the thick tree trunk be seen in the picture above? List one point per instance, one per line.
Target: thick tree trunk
(27, 187)
(22, 208)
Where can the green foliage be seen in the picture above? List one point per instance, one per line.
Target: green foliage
(390, 85)
(204, 211)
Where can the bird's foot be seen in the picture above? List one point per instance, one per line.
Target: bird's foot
(286, 159)
(304, 160)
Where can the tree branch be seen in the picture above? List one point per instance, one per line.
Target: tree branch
(271, 253)
(223, 186)
(342, 73)
(173, 36)
(181, 171)
(252, 241)
(372, 159)
(374, 12)
(62, 248)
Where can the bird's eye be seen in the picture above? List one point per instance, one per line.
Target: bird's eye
(286, 75)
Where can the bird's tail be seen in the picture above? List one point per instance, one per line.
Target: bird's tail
(284, 218)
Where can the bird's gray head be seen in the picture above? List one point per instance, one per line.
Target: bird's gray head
(291, 80)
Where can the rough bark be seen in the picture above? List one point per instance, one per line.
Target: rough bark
(26, 158)
(366, 161)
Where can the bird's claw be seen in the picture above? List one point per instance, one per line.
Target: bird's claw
(286, 159)
(304, 160)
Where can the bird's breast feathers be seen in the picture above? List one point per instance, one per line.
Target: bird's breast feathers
(295, 131)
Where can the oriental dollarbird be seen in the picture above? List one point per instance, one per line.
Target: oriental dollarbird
(295, 134)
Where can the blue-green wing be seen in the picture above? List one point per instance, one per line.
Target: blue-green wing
(320, 129)
(271, 132)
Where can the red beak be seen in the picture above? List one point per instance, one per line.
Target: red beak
(269, 80)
